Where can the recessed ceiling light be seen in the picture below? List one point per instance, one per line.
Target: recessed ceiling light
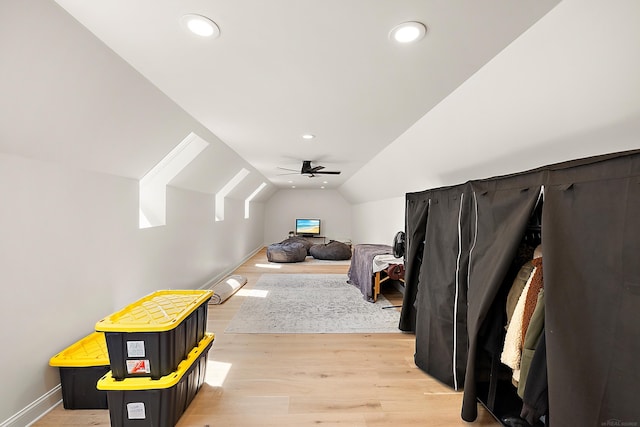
(322, 187)
(408, 32)
(325, 182)
(293, 186)
(290, 182)
(200, 25)
(308, 136)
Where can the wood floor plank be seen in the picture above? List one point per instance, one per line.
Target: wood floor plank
(297, 380)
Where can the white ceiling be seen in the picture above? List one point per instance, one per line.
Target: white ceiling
(282, 68)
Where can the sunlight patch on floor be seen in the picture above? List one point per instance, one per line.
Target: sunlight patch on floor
(252, 293)
(268, 266)
(216, 373)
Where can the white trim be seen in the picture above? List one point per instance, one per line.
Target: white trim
(152, 186)
(248, 200)
(36, 409)
(229, 186)
(228, 271)
(455, 303)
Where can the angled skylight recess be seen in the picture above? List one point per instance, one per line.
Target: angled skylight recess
(153, 194)
(248, 200)
(220, 195)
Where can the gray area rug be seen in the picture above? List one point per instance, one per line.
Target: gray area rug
(311, 303)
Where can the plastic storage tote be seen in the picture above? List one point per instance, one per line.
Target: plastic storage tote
(81, 365)
(151, 336)
(140, 402)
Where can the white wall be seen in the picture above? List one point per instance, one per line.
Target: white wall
(78, 128)
(282, 209)
(71, 252)
(556, 93)
(71, 111)
(377, 222)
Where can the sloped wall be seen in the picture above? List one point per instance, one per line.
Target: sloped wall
(78, 128)
(72, 253)
(556, 93)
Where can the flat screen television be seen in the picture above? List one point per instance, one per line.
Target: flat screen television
(307, 227)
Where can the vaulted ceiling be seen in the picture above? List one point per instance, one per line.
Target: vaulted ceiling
(284, 68)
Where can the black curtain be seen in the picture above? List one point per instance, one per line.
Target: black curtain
(417, 209)
(441, 336)
(591, 255)
(591, 231)
(501, 211)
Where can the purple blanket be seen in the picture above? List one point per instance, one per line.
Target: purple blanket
(361, 270)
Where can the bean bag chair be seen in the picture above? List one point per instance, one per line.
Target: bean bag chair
(307, 244)
(286, 252)
(334, 251)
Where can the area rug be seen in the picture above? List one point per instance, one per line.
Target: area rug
(311, 304)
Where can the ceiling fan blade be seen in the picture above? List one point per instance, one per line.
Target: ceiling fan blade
(287, 169)
(310, 171)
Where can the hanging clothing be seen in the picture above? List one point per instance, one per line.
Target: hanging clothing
(535, 285)
(512, 350)
(531, 339)
(536, 395)
(516, 289)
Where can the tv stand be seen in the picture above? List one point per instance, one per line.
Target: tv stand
(312, 236)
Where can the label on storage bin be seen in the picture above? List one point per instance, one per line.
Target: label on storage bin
(135, 348)
(138, 366)
(135, 411)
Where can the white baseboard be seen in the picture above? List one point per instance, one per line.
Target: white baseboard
(228, 271)
(36, 409)
(45, 403)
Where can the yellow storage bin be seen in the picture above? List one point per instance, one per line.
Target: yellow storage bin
(152, 335)
(144, 401)
(81, 365)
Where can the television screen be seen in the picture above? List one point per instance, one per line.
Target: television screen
(308, 227)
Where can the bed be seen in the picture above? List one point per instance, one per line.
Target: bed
(369, 266)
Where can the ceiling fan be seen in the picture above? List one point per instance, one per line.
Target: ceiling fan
(311, 171)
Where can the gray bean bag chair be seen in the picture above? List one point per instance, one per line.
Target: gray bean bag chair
(286, 252)
(334, 251)
(307, 244)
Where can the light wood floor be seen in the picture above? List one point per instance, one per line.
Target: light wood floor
(351, 380)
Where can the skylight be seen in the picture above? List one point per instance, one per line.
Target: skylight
(220, 195)
(248, 200)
